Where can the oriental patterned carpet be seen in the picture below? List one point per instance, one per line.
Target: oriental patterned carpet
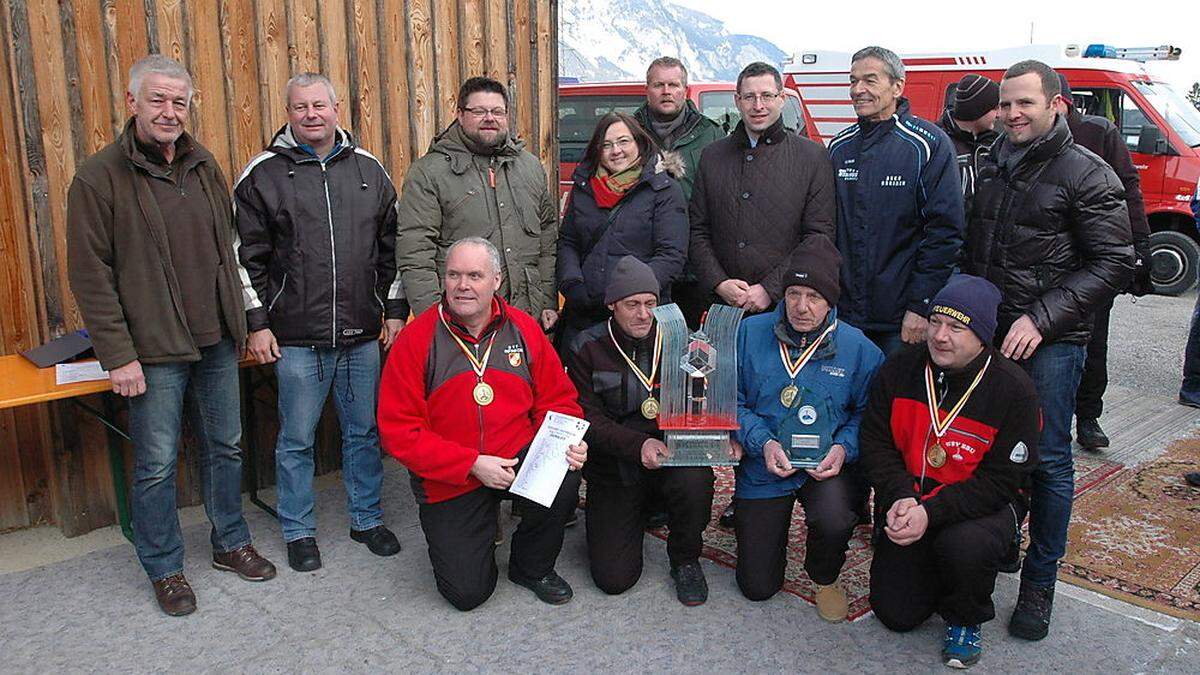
(1136, 537)
(720, 545)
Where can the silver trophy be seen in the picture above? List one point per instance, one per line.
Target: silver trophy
(698, 392)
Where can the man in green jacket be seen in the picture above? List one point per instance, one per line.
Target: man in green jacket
(150, 257)
(671, 118)
(478, 181)
(676, 125)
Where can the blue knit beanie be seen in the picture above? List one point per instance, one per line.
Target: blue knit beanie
(970, 300)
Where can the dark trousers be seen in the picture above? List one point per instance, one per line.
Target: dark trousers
(951, 571)
(762, 534)
(461, 534)
(615, 522)
(1089, 399)
(1189, 390)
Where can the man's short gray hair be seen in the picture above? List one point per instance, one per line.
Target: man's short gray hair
(666, 62)
(492, 251)
(308, 79)
(892, 65)
(161, 65)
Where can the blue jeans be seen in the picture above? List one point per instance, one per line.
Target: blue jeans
(1190, 390)
(209, 389)
(305, 377)
(1055, 369)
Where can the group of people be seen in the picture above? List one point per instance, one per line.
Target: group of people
(928, 291)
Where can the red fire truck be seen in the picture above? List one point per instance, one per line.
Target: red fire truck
(1161, 127)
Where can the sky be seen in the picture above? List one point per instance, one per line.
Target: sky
(940, 26)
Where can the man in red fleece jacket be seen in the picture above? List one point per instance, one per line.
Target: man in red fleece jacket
(465, 389)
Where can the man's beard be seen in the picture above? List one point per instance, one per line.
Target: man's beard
(483, 146)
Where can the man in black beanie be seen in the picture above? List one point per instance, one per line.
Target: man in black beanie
(970, 120)
(949, 441)
(615, 365)
(1102, 137)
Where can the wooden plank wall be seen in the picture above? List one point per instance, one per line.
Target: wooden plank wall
(396, 65)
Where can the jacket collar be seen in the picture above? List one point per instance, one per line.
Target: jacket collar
(772, 135)
(1039, 150)
(960, 379)
(188, 153)
(903, 112)
(284, 142)
(630, 343)
(784, 333)
(499, 315)
(657, 173)
(450, 144)
(691, 119)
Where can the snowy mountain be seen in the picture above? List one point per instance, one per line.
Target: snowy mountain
(616, 39)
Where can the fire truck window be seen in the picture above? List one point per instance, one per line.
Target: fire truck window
(793, 118)
(1132, 121)
(577, 117)
(718, 106)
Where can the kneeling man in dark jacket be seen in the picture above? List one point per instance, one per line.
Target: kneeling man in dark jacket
(949, 441)
(614, 365)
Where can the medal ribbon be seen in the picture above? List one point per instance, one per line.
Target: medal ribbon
(478, 365)
(941, 426)
(647, 382)
(793, 368)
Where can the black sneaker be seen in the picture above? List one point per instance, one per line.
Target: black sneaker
(573, 518)
(690, 586)
(726, 519)
(1090, 435)
(379, 539)
(1031, 618)
(303, 555)
(1011, 562)
(550, 589)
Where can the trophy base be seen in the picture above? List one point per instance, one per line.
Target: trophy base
(698, 448)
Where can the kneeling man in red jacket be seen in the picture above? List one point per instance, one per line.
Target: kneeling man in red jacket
(465, 389)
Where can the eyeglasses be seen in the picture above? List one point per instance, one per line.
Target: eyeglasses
(480, 113)
(765, 97)
(623, 142)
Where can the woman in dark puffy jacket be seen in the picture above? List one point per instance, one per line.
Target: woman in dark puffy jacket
(625, 201)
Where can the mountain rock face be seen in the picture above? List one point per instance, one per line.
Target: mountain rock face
(616, 39)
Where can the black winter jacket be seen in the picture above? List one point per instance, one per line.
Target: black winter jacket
(1103, 137)
(318, 244)
(751, 207)
(970, 149)
(649, 223)
(1053, 235)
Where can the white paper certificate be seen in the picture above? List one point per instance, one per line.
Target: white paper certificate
(541, 474)
(83, 371)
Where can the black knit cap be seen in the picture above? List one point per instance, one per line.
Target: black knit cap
(1066, 88)
(971, 301)
(974, 97)
(815, 264)
(629, 277)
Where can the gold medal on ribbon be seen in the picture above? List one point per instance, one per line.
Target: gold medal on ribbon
(787, 395)
(650, 406)
(483, 392)
(936, 455)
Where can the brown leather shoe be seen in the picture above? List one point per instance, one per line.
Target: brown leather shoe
(174, 595)
(246, 562)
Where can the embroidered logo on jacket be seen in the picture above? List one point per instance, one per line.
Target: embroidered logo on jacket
(893, 181)
(1019, 453)
(847, 174)
(515, 354)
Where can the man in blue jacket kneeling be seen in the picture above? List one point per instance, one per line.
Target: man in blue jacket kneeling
(800, 362)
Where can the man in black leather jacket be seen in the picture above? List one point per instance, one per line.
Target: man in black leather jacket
(1049, 227)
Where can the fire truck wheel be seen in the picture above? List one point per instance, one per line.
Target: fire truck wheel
(1174, 261)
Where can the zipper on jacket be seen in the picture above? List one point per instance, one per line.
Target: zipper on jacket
(282, 285)
(332, 253)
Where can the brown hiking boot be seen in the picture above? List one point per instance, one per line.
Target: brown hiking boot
(174, 595)
(246, 562)
(831, 602)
